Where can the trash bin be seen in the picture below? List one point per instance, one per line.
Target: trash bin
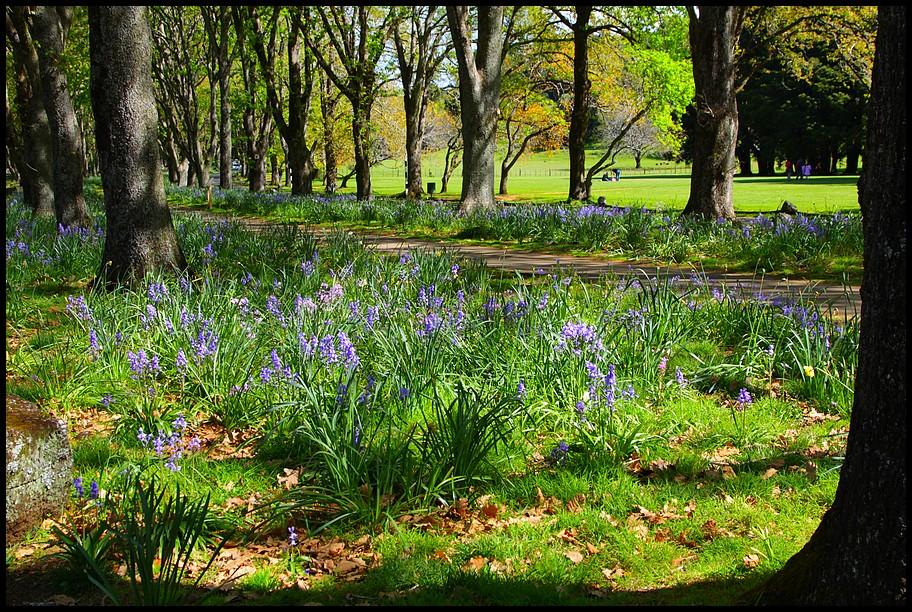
(431, 188)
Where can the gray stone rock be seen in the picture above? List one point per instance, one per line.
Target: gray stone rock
(39, 466)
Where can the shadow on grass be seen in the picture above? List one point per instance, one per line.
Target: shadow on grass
(48, 581)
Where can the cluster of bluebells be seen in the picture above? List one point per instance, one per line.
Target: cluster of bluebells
(77, 307)
(80, 489)
(330, 349)
(744, 398)
(577, 338)
(276, 371)
(172, 445)
(143, 366)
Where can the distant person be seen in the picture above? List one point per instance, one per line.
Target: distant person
(788, 169)
(806, 171)
(617, 174)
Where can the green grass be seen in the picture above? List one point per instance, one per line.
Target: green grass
(650, 187)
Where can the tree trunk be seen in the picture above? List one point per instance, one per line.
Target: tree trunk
(638, 157)
(857, 556)
(853, 152)
(140, 236)
(743, 153)
(360, 123)
(450, 162)
(713, 42)
(274, 168)
(579, 120)
(225, 154)
(257, 177)
(328, 112)
(413, 136)
(37, 156)
(479, 96)
(50, 29)
(504, 177)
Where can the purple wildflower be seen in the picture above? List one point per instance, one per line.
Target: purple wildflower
(744, 398)
(93, 490)
(77, 484)
(292, 537)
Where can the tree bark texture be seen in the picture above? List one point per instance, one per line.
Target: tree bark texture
(857, 556)
(50, 25)
(714, 44)
(479, 97)
(579, 119)
(140, 236)
(37, 175)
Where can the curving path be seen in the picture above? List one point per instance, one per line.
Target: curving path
(841, 302)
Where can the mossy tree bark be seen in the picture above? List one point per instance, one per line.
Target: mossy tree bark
(857, 556)
(140, 236)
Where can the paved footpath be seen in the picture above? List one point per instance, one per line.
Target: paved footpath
(842, 302)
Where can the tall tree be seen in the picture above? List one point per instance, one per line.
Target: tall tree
(50, 25)
(857, 556)
(420, 47)
(140, 236)
(479, 98)
(358, 36)
(714, 32)
(180, 54)
(329, 104)
(256, 120)
(218, 26)
(300, 87)
(37, 167)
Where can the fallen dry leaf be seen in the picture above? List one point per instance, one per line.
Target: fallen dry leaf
(613, 573)
(574, 555)
(751, 561)
(769, 473)
(576, 504)
(290, 479)
(490, 510)
(592, 550)
(474, 564)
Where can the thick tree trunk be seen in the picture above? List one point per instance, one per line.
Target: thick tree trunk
(638, 157)
(504, 178)
(579, 119)
(37, 168)
(479, 96)
(857, 556)
(50, 28)
(140, 236)
(713, 42)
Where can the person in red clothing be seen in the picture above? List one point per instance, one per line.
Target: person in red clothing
(788, 169)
